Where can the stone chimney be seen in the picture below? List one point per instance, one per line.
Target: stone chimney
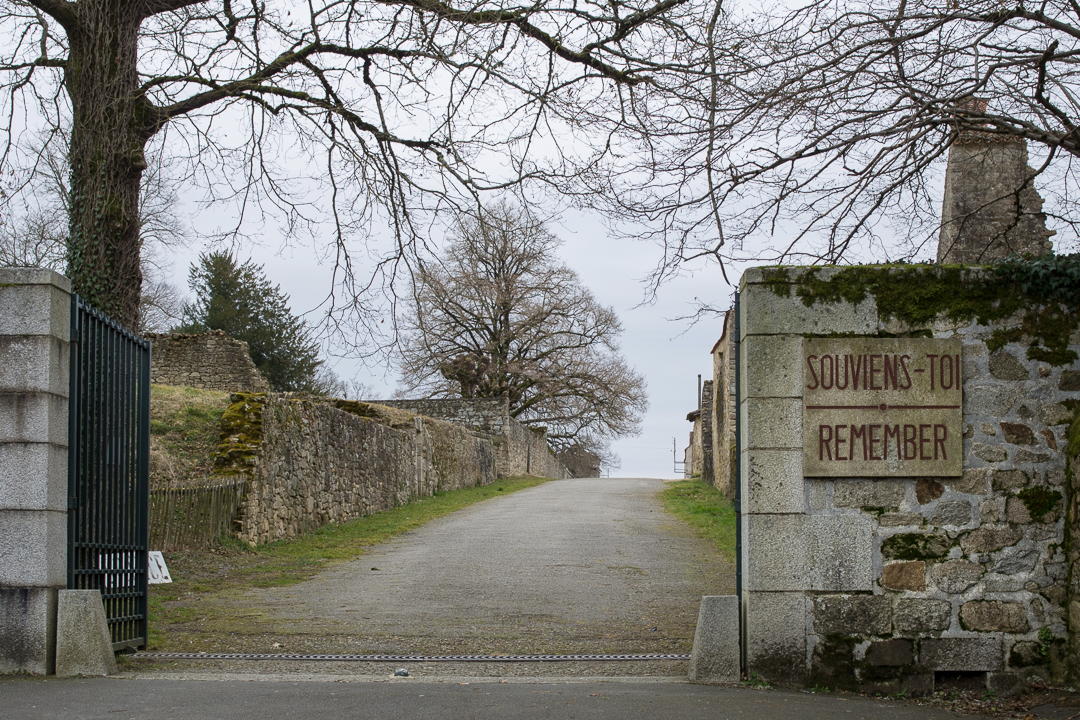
(990, 209)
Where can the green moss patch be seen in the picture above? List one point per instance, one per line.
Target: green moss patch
(1039, 501)
(915, 546)
(1045, 293)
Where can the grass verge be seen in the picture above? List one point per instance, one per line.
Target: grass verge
(705, 509)
(234, 567)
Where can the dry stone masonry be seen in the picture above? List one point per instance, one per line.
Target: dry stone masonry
(307, 462)
(210, 360)
(521, 450)
(911, 525)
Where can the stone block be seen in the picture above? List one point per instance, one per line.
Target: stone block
(927, 490)
(890, 653)
(83, 641)
(773, 423)
(956, 576)
(1016, 511)
(913, 617)
(952, 513)
(1015, 561)
(27, 630)
(909, 575)
(766, 313)
(840, 553)
(989, 539)
(900, 519)
(961, 654)
(1017, 433)
(35, 364)
(990, 399)
(33, 548)
(1008, 479)
(1027, 654)
(33, 476)
(715, 657)
(869, 493)
(1055, 414)
(32, 303)
(773, 366)
(777, 547)
(994, 616)
(33, 417)
(1004, 366)
(989, 453)
(774, 482)
(776, 635)
(853, 615)
(975, 481)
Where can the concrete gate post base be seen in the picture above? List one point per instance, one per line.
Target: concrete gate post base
(83, 642)
(715, 657)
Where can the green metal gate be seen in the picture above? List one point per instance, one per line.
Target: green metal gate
(108, 469)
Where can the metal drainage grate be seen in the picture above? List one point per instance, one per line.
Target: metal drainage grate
(408, 658)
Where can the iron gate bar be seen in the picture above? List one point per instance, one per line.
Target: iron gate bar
(108, 469)
(408, 658)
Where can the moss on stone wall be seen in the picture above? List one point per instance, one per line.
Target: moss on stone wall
(915, 546)
(241, 434)
(1045, 293)
(1039, 501)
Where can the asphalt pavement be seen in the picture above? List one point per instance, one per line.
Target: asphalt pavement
(275, 698)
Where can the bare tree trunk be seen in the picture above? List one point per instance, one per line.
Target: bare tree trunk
(110, 126)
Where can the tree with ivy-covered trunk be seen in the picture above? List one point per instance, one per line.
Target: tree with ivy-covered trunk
(238, 299)
(365, 113)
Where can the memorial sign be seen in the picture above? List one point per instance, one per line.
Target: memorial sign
(882, 407)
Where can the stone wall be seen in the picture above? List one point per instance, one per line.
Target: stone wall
(210, 360)
(705, 419)
(309, 463)
(1072, 524)
(525, 451)
(521, 450)
(694, 457)
(895, 583)
(723, 410)
(487, 415)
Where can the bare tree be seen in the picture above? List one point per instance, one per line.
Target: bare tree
(819, 133)
(501, 316)
(347, 109)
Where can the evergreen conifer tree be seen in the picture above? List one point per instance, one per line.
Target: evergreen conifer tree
(238, 299)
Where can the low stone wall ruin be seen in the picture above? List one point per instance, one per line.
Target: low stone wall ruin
(210, 360)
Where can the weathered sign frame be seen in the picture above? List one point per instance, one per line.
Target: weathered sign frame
(882, 407)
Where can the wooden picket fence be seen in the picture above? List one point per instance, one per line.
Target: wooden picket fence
(194, 517)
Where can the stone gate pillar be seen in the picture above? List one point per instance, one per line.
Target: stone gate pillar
(35, 307)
